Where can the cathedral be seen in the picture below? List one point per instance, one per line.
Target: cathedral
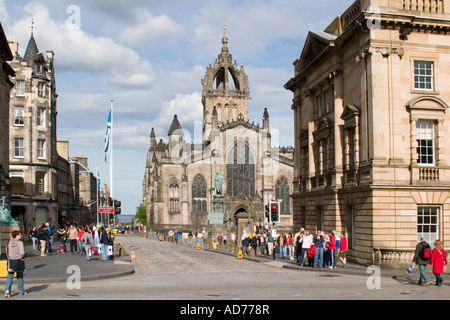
(179, 181)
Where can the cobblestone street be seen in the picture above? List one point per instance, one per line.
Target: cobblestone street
(169, 271)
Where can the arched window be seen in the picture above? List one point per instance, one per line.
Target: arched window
(240, 170)
(199, 194)
(282, 192)
(174, 196)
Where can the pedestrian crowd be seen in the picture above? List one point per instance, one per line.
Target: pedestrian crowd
(87, 240)
(424, 255)
(321, 250)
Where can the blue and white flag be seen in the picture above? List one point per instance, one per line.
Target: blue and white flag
(98, 180)
(107, 137)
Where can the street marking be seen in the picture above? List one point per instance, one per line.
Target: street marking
(139, 261)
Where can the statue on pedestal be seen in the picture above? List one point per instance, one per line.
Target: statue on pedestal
(6, 217)
(215, 217)
(218, 180)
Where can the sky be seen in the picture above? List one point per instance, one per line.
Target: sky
(149, 56)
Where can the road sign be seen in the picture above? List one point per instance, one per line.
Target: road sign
(106, 209)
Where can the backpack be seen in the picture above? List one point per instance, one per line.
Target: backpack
(312, 251)
(425, 252)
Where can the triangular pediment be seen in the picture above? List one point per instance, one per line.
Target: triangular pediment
(349, 112)
(316, 43)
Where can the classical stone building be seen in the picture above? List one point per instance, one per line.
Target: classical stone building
(87, 192)
(33, 157)
(178, 186)
(5, 86)
(372, 149)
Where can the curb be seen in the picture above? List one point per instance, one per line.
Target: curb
(351, 269)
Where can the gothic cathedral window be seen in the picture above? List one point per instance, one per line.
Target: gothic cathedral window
(282, 192)
(199, 194)
(240, 170)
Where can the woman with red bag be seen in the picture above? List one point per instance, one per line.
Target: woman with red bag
(438, 260)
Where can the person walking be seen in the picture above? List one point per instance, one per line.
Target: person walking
(337, 246)
(318, 242)
(281, 242)
(262, 243)
(72, 234)
(331, 249)
(306, 245)
(49, 243)
(43, 237)
(104, 243)
(63, 235)
(15, 254)
(422, 256)
(290, 244)
(326, 252)
(80, 233)
(343, 250)
(438, 260)
(245, 241)
(270, 247)
(254, 244)
(88, 241)
(34, 239)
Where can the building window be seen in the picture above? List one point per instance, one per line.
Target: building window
(425, 142)
(240, 170)
(41, 90)
(327, 101)
(282, 192)
(18, 116)
(18, 148)
(40, 185)
(41, 149)
(17, 185)
(423, 75)
(40, 121)
(319, 105)
(199, 194)
(174, 196)
(20, 88)
(428, 223)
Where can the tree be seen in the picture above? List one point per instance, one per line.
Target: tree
(141, 214)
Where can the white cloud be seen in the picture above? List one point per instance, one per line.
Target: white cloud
(4, 16)
(78, 50)
(187, 107)
(152, 30)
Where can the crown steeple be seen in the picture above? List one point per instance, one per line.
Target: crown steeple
(225, 90)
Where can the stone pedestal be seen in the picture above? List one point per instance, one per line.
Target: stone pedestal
(216, 216)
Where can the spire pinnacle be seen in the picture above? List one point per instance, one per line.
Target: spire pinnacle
(32, 27)
(224, 38)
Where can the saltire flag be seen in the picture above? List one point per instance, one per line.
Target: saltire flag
(107, 136)
(98, 180)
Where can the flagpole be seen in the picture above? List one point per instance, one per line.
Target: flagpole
(111, 154)
(98, 190)
(111, 160)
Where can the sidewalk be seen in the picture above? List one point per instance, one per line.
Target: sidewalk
(54, 267)
(351, 269)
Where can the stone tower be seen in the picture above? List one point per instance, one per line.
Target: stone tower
(225, 88)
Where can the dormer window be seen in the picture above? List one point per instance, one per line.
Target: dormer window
(41, 90)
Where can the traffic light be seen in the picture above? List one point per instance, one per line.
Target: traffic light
(266, 207)
(117, 209)
(274, 208)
